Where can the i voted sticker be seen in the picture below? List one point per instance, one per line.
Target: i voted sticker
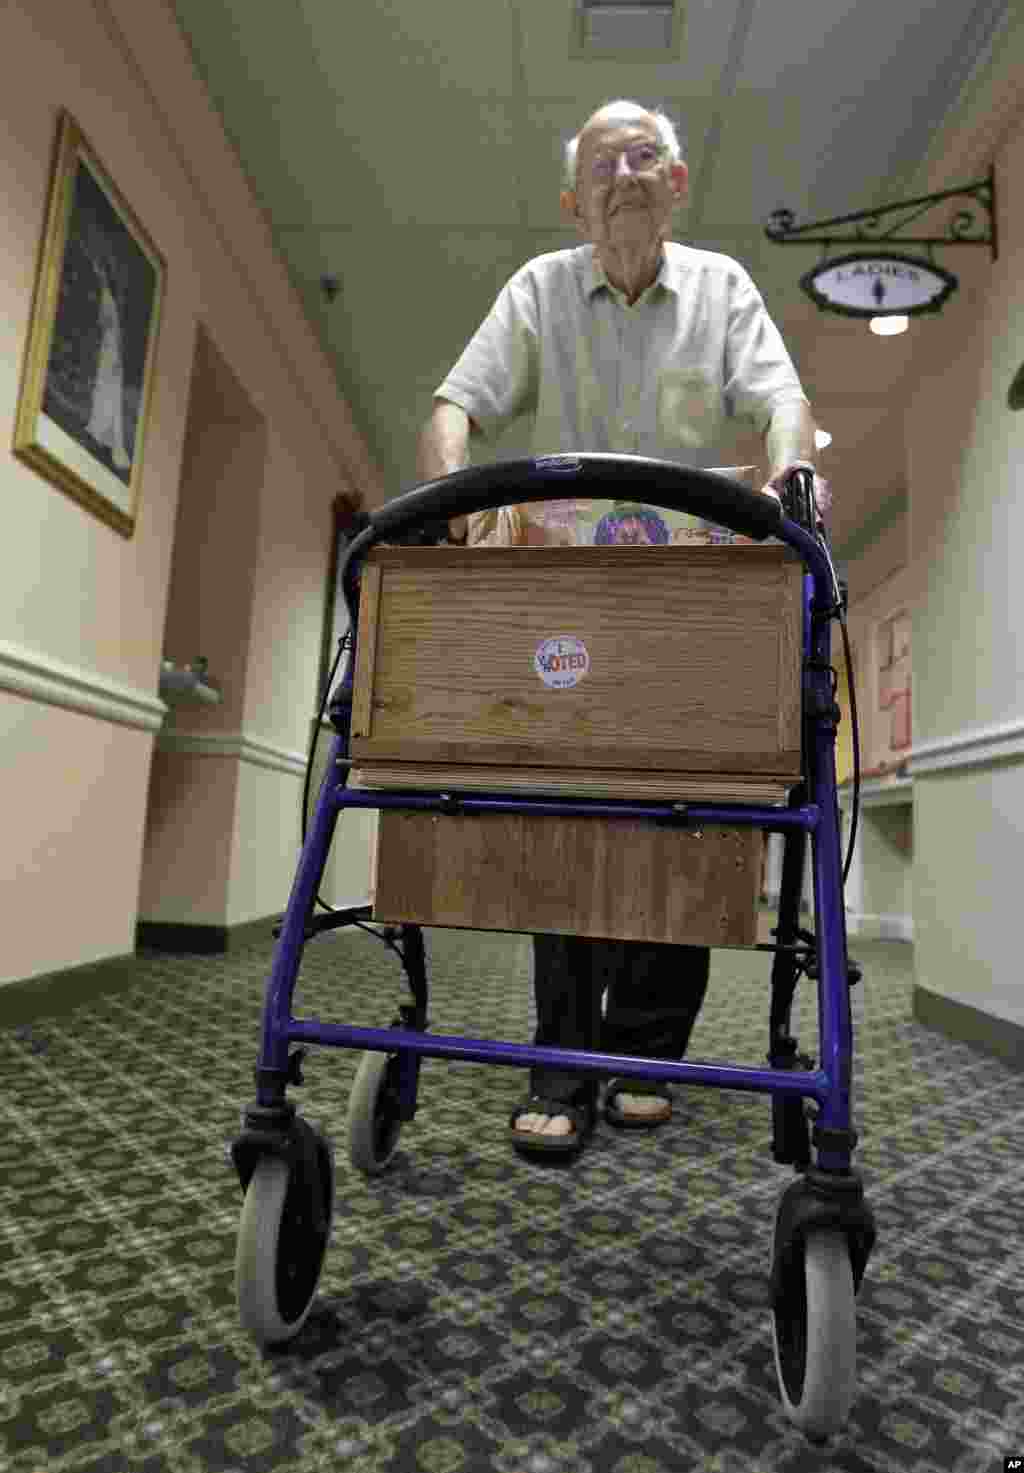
(561, 661)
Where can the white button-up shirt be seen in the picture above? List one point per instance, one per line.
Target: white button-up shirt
(658, 378)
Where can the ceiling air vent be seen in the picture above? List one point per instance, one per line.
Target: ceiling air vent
(627, 30)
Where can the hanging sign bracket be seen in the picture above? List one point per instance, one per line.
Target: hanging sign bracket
(962, 229)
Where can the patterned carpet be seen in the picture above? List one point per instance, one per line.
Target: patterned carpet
(477, 1312)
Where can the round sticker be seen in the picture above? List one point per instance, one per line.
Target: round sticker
(561, 661)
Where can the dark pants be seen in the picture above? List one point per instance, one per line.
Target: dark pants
(655, 991)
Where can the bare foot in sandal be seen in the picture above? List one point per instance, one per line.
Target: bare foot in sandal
(644, 1107)
(551, 1127)
(544, 1125)
(639, 1106)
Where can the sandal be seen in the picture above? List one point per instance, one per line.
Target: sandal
(532, 1143)
(615, 1116)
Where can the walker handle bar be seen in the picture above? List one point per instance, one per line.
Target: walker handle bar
(587, 476)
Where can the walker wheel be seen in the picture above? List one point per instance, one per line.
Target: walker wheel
(374, 1121)
(814, 1336)
(279, 1255)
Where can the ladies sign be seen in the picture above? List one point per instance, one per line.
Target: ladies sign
(874, 285)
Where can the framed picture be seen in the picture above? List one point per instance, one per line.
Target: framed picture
(88, 368)
(343, 513)
(892, 643)
(885, 691)
(899, 734)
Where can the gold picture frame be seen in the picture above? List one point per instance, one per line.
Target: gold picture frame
(88, 370)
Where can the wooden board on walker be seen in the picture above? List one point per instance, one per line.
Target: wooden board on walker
(643, 672)
(634, 659)
(617, 878)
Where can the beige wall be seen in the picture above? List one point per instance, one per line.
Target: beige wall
(951, 864)
(83, 609)
(945, 870)
(882, 582)
(966, 461)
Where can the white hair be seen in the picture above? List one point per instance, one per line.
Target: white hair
(627, 112)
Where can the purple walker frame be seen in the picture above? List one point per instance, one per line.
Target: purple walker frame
(829, 1192)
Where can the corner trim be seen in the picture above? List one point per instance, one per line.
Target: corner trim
(53, 682)
(233, 744)
(880, 793)
(977, 747)
(981, 746)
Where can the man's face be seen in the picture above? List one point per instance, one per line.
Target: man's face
(626, 187)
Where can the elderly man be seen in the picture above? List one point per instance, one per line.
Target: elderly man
(637, 345)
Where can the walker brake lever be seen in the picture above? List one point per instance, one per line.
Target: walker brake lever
(798, 500)
(800, 506)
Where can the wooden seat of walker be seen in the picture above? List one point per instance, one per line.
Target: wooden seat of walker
(647, 673)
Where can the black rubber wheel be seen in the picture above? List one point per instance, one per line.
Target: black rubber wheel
(279, 1255)
(814, 1336)
(374, 1122)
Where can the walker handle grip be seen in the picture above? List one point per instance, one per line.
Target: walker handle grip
(585, 476)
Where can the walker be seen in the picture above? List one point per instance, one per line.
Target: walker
(824, 1229)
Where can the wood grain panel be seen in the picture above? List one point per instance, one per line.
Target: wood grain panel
(615, 878)
(694, 658)
(365, 675)
(584, 782)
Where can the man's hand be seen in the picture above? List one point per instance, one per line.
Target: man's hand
(444, 449)
(789, 442)
(776, 485)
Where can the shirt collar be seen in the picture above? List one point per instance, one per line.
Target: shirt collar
(594, 274)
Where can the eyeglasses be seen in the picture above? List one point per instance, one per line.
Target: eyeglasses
(639, 157)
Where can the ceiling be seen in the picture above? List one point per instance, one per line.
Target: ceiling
(413, 151)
